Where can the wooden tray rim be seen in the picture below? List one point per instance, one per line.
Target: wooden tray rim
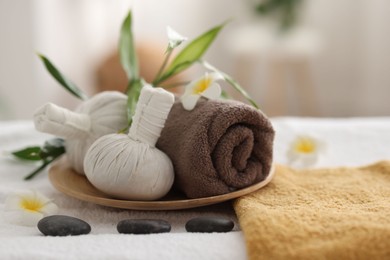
(62, 167)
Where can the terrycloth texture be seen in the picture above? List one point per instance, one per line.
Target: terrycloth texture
(104, 241)
(217, 147)
(352, 142)
(340, 213)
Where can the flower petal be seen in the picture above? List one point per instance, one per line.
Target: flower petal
(302, 160)
(12, 202)
(49, 209)
(212, 92)
(189, 101)
(23, 217)
(29, 218)
(305, 151)
(215, 76)
(27, 208)
(42, 198)
(175, 39)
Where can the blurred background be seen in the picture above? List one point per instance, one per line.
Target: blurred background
(295, 57)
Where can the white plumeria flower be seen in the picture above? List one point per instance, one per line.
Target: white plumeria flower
(305, 151)
(206, 87)
(175, 39)
(27, 208)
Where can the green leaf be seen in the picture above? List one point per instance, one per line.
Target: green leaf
(50, 151)
(52, 148)
(232, 82)
(29, 153)
(127, 51)
(191, 53)
(66, 83)
(133, 93)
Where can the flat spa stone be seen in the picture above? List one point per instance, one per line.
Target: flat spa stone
(209, 225)
(60, 225)
(143, 226)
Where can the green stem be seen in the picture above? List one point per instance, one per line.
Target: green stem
(232, 82)
(238, 88)
(40, 168)
(165, 62)
(176, 84)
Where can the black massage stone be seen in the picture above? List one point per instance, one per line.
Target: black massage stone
(143, 226)
(209, 225)
(59, 225)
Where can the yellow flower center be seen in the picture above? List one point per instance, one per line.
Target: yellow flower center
(305, 146)
(202, 85)
(32, 204)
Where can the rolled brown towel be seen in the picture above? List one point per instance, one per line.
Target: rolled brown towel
(218, 147)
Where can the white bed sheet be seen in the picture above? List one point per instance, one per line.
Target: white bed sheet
(350, 142)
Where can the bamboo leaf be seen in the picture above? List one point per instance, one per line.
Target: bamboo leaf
(65, 82)
(29, 153)
(191, 53)
(127, 51)
(133, 93)
(232, 82)
(52, 148)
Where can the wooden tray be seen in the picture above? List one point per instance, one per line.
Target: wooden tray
(66, 180)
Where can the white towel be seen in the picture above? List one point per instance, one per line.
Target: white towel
(104, 242)
(350, 142)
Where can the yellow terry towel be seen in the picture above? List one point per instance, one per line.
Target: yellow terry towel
(341, 213)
